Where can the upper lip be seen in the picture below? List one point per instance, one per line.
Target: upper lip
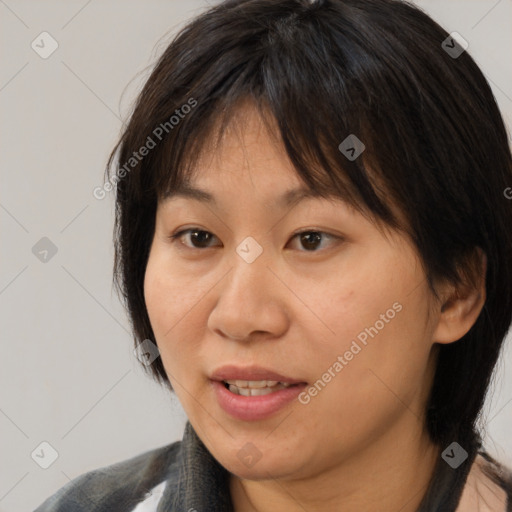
(232, 372)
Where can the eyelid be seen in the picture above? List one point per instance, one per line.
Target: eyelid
(180, 232)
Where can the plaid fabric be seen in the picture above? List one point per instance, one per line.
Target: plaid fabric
(122, 486)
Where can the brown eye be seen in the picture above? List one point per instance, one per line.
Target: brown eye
(200, 239)
(198, 236)
(312, 239)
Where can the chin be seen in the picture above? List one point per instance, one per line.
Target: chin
(264, 468)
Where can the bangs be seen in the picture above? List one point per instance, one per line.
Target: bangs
(317, 164)
(312, 133)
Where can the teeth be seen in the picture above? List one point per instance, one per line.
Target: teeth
(256, 384)
(246, 391)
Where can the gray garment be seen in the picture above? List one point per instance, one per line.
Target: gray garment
(196, 481)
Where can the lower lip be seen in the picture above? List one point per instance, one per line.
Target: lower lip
(253, 408)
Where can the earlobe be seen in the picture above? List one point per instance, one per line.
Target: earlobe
(461, 307)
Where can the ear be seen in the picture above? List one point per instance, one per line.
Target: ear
(461, 305)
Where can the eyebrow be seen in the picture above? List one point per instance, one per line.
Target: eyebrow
(288, 198)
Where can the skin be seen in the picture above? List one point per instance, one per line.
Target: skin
(360, 443)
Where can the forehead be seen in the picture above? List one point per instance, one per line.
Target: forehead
(248, 156)
(286, 199)
(245, 162)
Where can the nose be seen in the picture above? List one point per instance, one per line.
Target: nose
(251, 302)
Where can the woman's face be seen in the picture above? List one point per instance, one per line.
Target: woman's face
(347, 316)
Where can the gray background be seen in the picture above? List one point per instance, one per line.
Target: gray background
(69, 376)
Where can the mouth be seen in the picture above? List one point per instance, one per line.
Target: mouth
(254, 393)
(252, 377)
(256, 387)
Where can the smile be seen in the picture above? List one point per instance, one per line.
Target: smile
(252, 403)
(255, 387)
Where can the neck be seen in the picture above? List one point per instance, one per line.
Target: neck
(391, 473)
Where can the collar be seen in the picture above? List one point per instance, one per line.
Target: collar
(196, 481)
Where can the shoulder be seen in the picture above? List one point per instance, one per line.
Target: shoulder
(488, 487)
(119, 486)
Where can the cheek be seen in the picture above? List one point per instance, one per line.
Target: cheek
(165, 305)
(371, 303)
(385, 363)
(156, 294)
(382, 336)
(173, 301)
(169, 295)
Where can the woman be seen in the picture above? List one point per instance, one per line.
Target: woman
(312, 227)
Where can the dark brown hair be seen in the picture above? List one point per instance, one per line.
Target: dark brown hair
(436, 148)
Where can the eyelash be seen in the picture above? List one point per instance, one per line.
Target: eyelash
(176, 236)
